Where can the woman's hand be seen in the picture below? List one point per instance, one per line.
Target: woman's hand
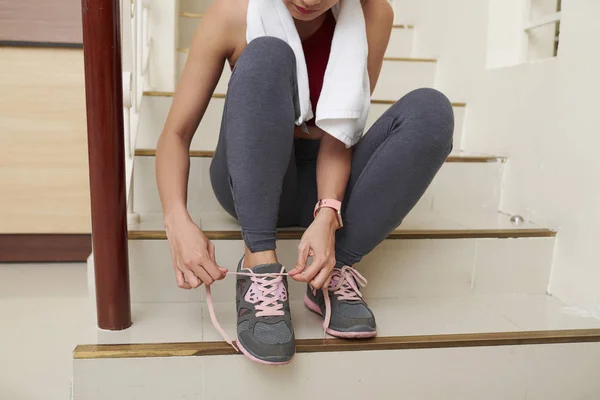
(318, 241)
(193, 254)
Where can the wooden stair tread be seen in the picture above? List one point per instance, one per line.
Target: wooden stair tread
(155, 93)
(186, 50)
(194, 349)
(186, 14)
(396, 235)
(460, 158)
(429, 225)
(403, 323)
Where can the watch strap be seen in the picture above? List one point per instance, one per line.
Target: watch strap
(330, 203)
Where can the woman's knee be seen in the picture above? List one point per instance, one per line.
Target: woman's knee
(430, 110)
(267, 56)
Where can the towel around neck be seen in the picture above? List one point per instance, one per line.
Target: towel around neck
(345, 99)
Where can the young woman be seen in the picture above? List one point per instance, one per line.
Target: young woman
(268, 172)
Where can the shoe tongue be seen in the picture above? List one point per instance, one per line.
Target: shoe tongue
(267, 268)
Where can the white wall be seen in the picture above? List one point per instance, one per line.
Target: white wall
(545, 116)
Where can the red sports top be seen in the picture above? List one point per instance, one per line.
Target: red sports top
(316, 52)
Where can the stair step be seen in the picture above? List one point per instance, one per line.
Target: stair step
(185, 14)
(220, 226)
(415, 72)
(195, 349)
(426, 263)
(169, 352)
(422, 321)
(194, 6)
(155, 108)
(186, 50)
(540, 372)
(197, 15)
(463, 184)
(458, 158)
(400, 45)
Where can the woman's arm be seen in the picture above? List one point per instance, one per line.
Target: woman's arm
(214, 41)
(334, 160)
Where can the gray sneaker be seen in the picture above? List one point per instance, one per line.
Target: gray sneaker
(351, 317)
(264, 324)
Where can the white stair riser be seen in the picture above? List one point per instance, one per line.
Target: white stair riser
(396, 268)
(194, 6)
(458, 186)
(187, 28)
(155, 110)
(397, 78)
(400, 44)
(511, 372)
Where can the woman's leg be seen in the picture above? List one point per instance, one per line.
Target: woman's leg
(253, 172)
(254, 177)
(392, 166)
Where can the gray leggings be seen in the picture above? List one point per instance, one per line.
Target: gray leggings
(266, 178)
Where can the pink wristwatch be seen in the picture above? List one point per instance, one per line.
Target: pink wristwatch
(330, 203)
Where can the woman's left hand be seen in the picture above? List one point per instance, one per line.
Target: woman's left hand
(318, 241)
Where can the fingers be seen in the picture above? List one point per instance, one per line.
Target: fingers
(303, 252)
(201, 273)
(323, 276)
(211, 254)
(310, 272)
(181, 280)
(179, 275)
(328, 280)
(318, 273)
(192, 279)
(213, 269)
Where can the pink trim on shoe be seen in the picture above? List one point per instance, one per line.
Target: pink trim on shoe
(312, 306)
(351, 335)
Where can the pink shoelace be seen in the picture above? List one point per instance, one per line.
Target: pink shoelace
(268, 291)
(344, 284)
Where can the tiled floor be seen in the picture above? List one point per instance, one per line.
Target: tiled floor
(45, 312)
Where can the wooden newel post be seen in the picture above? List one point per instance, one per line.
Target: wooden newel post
(106, 148)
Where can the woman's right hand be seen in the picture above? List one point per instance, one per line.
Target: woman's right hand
(192, 253)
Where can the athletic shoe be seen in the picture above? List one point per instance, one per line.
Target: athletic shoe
(264, 325)
(350, 317)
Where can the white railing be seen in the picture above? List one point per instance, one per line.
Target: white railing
(543, 21)
(136, 45)
(541, 29)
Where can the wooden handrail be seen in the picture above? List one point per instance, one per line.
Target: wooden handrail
(104, 101)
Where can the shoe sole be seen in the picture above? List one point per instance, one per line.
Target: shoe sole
(258, 360)
(312, 306)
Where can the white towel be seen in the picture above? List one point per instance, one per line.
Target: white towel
(345, 99)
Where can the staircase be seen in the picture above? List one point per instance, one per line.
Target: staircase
(459, 290)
